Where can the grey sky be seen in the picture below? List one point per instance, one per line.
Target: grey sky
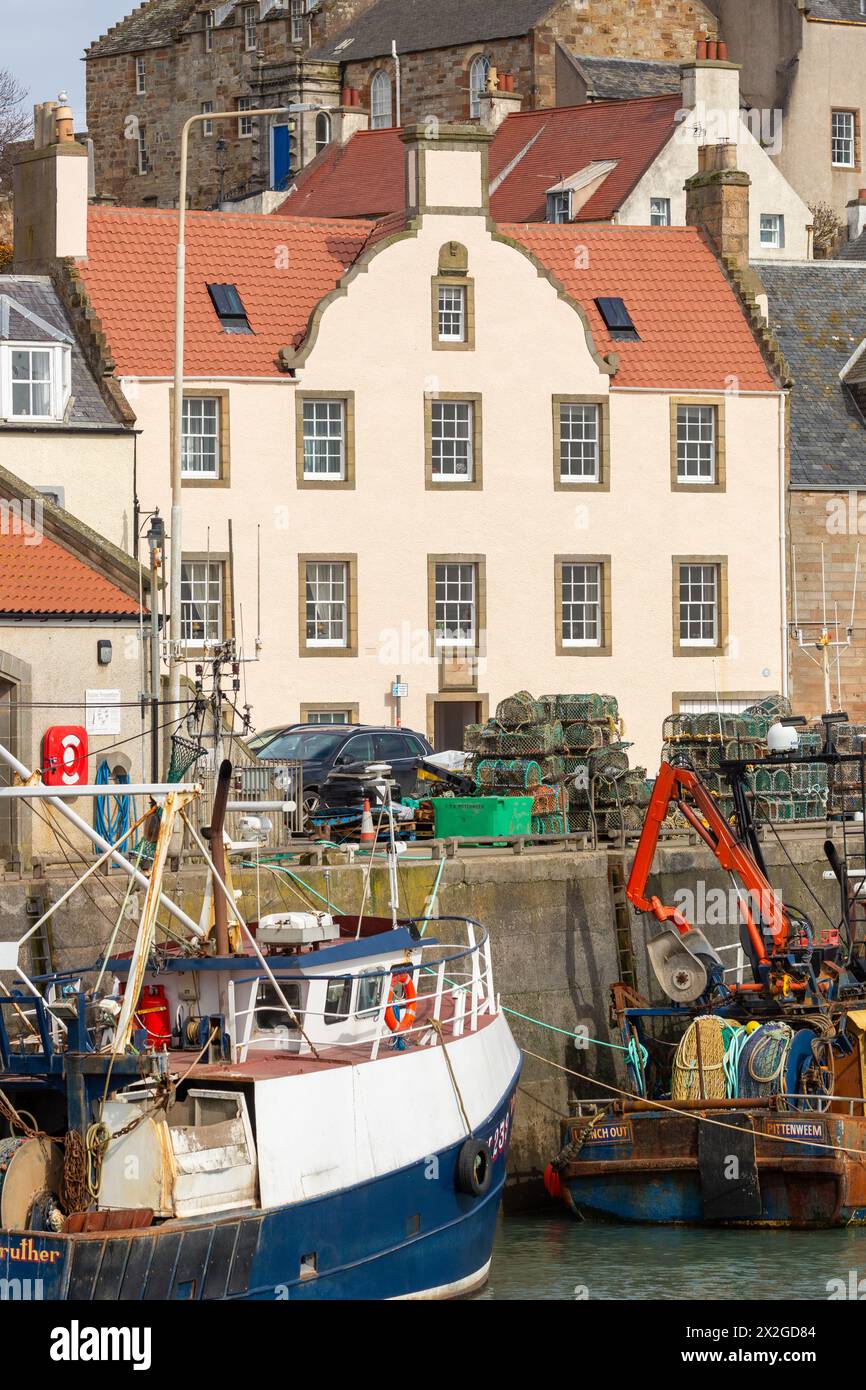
(43, 44)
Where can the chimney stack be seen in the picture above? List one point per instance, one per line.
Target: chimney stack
(711, 83)
(447, 169)
(51, 183)
(717, 201)
(498, 102)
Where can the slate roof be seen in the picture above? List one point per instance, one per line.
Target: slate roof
(45, 578)
(693, 333)
(151, 25)
(282, 267)
(836, 9)
(417, 25)
(854, 250)
(621, 79)
(364, 178)
(817, 311)
(88, 409)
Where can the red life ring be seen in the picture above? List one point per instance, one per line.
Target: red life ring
(399, 1022)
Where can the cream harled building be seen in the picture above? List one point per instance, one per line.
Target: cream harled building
(476, 457)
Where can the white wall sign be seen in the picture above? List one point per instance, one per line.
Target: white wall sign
(103, 711)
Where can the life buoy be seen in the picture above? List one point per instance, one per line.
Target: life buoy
(400, 1013)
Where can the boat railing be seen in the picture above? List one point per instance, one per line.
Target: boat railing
(453, 986)
(783, 1102)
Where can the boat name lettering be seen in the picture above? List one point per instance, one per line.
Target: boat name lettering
(796, 1129)
(609, 1134)
(26, 1252)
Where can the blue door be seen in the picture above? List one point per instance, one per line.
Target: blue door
(281, 156)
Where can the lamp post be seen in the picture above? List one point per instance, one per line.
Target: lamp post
(155, 537)
(174, 649)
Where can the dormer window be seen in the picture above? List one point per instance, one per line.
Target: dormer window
(559, 206)
(34, 381)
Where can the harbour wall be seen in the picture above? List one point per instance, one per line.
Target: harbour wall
(560, 936)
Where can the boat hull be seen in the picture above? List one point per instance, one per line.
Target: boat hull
(779, 1169)
(407, 1234)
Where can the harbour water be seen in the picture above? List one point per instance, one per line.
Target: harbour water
(548, 1256)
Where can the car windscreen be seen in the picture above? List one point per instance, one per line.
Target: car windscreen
(259, 741)
(304, 745)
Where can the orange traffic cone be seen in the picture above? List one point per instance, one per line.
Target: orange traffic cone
(368, 834)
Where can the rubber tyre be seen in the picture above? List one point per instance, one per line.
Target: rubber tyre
(474, 1172)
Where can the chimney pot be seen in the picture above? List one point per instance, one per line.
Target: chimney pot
(723, 52)
(701, 53)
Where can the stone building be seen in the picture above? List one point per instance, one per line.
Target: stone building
(171, 59)
(818, 312)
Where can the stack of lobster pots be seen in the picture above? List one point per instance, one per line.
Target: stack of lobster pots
(567, 753)
(795, 792)
(845, 796)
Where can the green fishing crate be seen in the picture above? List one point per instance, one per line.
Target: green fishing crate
(478, 817)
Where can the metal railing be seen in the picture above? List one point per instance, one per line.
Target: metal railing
(454, 991)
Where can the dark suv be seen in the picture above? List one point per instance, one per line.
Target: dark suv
(322, 748)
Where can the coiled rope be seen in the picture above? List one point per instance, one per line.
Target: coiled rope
(699, 1063)
(764, 1059)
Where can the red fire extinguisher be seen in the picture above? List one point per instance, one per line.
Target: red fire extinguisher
(153, 1012)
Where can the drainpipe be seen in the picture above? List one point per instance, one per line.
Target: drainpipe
(783, 541)
(398, 121)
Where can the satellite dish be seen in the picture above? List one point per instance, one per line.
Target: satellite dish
(782, 738)
(682, 963)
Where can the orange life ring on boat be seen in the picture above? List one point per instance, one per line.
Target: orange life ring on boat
(398, 1023)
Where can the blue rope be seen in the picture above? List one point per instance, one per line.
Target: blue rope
(111, 818)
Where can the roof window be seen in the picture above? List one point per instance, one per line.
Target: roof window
(230, 308)
(617, 320)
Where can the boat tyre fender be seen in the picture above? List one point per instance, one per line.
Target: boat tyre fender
(474, 1168)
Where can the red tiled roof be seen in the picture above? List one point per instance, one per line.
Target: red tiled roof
(364, 178)
(569, 138)
(693, 333)
(45, 578)
(282, 267)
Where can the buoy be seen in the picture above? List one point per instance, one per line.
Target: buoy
(368, 834)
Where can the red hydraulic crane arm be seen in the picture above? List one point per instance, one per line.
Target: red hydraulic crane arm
(706, 820)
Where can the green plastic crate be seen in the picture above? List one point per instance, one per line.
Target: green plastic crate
(477, 817)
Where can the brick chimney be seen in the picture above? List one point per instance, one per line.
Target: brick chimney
(447, 168)
(50, 193)
(717, 201)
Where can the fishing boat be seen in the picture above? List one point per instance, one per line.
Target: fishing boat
(308, 1106)
(744, 1101)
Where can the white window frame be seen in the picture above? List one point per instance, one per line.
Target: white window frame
(442, 415)
(459, 579)
(691, 447)
(479, 68)
(660, 212)
(299, 10)
(246, 123)
(582, 602)
(140, 76)
(452, 313)
(323, 122)
(249, 19)
(194, 407)
(209, 26)
(559, 206)
(338, 576)
(213, 606)
(580, 413)
(206, 126)
(772, 223)
(318, 413)
(328, 716)
(143, 157)
(381, 115)
(60, 381)
(699, 573)
(843, 135)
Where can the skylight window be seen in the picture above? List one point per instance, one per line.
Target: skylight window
(617, 320)
(230, 308)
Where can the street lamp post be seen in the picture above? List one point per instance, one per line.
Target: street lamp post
(174, 649)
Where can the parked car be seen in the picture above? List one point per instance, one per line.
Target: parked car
(321, 748)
